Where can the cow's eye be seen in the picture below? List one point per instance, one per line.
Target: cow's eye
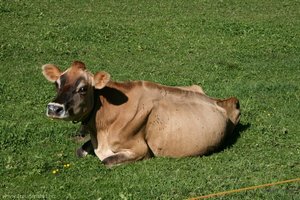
(82, 90)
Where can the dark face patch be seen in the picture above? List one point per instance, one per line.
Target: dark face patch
(61, 89)
(63, 80)
(75, 93)
(66, 91)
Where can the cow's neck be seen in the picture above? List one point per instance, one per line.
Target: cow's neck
(91, 115)
(103, 99)
(86, 120)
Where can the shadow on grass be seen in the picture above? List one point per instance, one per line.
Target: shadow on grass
(230, 140)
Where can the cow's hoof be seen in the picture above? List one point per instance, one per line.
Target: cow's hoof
(81, 152)
(78, 138)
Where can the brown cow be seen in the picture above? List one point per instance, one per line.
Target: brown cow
(136, 120)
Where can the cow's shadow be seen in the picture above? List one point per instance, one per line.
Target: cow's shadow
(231, 139)
(112, 95)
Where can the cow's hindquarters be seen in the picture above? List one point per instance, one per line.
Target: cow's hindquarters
(180, 129)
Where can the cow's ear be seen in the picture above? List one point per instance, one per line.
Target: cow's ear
(51, 72)
(101, 79)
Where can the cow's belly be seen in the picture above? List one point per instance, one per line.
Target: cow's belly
(179, 129)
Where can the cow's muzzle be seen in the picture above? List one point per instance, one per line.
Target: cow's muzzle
(56, 110)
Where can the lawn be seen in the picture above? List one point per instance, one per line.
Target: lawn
(248, 49)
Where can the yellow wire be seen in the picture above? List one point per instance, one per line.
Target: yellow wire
(244, 189)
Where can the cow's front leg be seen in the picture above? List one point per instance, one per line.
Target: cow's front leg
(125, 157)
(83, 131)
(85, 149)
(133, 151)
(121, 158)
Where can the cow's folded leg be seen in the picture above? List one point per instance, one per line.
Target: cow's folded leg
(85, 149)
(120, 158)
(83, 131)
(81, 134)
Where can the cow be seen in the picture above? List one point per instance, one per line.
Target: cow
(135, 120)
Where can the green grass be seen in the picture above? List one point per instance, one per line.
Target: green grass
(248, 49)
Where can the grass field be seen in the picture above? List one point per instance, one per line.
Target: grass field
(248, 49)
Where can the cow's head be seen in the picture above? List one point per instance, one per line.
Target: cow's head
(75, 90)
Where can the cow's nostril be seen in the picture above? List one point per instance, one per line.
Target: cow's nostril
(59, 110)
(55, 109)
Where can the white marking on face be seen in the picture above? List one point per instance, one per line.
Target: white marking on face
(58, 83)
(80, 85)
